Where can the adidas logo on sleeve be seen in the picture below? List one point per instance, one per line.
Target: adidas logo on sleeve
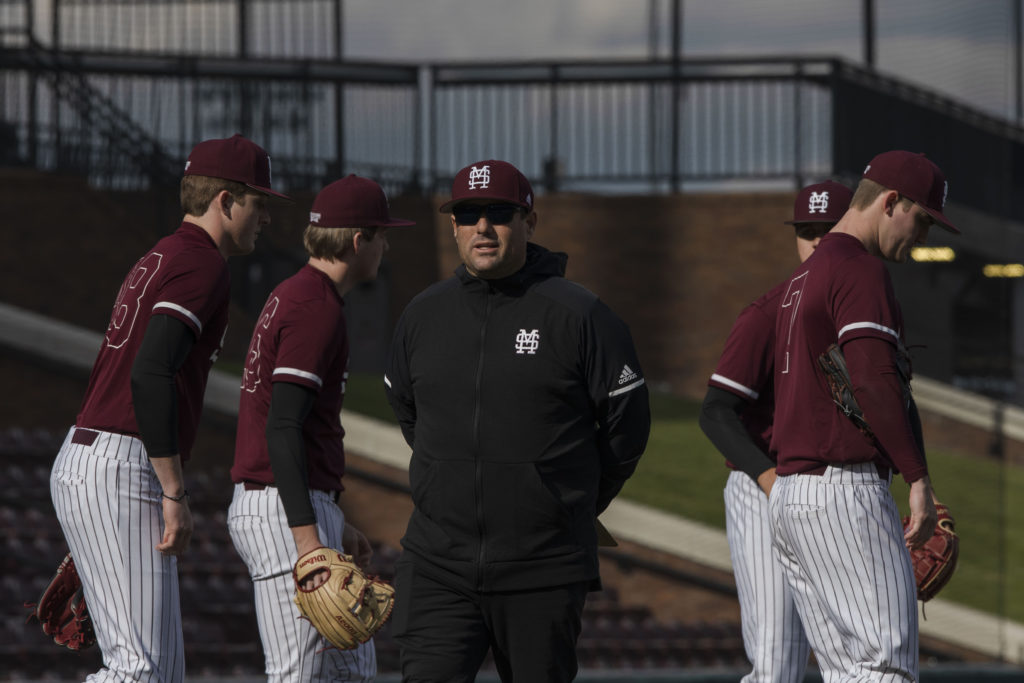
(629, 379)
(627, 375)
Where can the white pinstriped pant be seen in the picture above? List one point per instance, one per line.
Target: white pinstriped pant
(107, 499)
(773, 636)
(840, 541)
(294, 651)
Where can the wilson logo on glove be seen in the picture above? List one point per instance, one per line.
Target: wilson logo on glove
(347, 608)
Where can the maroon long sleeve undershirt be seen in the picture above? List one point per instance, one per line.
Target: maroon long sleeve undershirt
(877, 388)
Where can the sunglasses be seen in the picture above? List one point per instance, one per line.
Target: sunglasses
(498, 214)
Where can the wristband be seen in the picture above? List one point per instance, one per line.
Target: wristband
(176, 499)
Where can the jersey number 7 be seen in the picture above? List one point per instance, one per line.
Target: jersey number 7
(790, 306)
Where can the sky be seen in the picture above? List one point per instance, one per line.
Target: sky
(963, 49)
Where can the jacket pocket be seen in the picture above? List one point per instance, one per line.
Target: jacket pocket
(445, 519)
(523, 517)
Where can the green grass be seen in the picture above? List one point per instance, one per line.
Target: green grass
(365, 394)
(682, 473)
(981, 495)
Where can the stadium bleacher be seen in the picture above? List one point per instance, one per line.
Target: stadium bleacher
(221, 635)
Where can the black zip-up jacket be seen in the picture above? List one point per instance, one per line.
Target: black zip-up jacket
(526, 410)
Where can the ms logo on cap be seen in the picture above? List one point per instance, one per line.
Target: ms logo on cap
(479, 177)
(817, 202)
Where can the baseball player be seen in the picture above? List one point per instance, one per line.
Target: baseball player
(117, 482)
(289, 455)
(737, 417)
(835, 525)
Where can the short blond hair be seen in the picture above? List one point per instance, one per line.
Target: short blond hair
(331, 244)
(197, 191)
(868, 191)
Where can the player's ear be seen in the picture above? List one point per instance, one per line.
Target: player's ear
(892, 198)
(455, 227)
(353, 247)
(531, 223)
(225, 201)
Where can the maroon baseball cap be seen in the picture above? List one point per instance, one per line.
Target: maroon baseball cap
(821, 203)
(491, 179)
(915, 177)
(353, 202)
(234, 158)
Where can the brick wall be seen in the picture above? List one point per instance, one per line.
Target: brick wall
(678, 268)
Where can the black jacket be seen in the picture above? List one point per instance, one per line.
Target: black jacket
(526, 410)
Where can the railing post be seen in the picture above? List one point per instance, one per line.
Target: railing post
(869, 34)
(797, 125)
(677, 48)
(245, 109)
(339, 125)
(551, 165)
(1018, 62)
(55, 100)
(836, 114)
(422, 111)
(32, 133)
(339, 90)
(432, 136)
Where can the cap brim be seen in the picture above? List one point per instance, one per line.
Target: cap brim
(391, 223)
(940, 220)
(395, 223)
(833, 222)
(447, 206)
(270, 193)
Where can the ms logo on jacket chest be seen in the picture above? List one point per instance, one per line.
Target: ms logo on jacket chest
(527, 342)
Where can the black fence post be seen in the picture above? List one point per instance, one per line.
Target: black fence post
(339, 89)
(677, 49)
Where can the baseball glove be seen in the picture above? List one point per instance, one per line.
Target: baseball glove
(935, 561)
(838, 378)
(349, 607)
(61, 609)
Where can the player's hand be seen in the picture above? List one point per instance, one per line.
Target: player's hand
(355, 543)
(766, 480)
(923, 516)
(177, 527)
(306, 541)
(316, 579)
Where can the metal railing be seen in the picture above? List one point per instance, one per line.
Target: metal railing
(623, 126)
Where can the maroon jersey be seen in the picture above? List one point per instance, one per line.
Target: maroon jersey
(839, 294)
(746, 367)
(183, 276)
(300, 338)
